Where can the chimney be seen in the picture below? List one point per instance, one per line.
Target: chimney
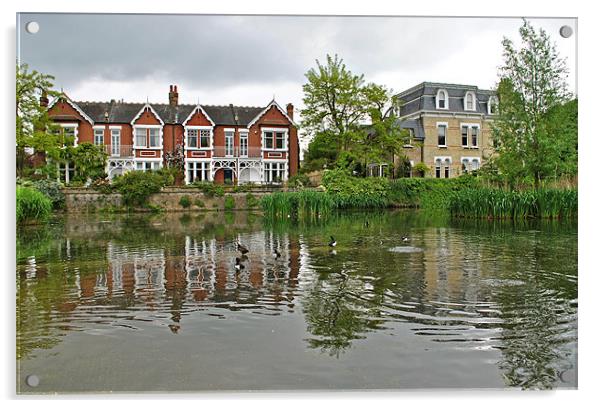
(290, 110)
(44, 99)
(173, 95)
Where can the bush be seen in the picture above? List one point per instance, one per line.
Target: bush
(298, 181)
(32, 204)
(229, 203)
(103, 186)
(421, 169)
(199, 203)
(52, 190)
(137, 186)
(355, 192)
(252, 201)
(185, 201)
(169, 175)
(209, 189)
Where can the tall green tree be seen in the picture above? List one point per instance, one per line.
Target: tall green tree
(337, 101)
(530, 125)
(33, 126)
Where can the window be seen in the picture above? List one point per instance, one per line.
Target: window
(475, 136)
(268, 141)
(407, 142)
(446, 171)
(198, 171)
(470, 101)
(69, 132)
(438, 169)
(115, 142)
(470, 164)
(279, 140)
(193, 138)
(464, 136)
(140, 137)
(442, 167)
(229, 143)
(442, 99)
(475, 164)
(99, 136)
(149, 165)
(153, 137)
(205, 138)
(442, 134)
(492, 105)
(244, 144)
(274, 172)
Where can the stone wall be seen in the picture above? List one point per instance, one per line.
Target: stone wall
(87, 200)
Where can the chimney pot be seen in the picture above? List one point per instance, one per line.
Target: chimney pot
(173, 95)
(290, 110)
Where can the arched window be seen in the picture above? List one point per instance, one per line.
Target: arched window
(475, 164)
(465, 166)
(447, 168)
(438, 168)
(442, 99)
(492, 105)
(470, 101)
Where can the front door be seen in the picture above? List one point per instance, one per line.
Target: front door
(228, 176)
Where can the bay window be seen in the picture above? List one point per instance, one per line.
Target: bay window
(198, 171)
(274, 172)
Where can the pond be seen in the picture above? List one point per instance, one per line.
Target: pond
(128, 303)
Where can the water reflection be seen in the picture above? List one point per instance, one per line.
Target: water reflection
(464, 286)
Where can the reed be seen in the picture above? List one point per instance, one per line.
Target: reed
(32, 204)
(494, 203)
(299, 204)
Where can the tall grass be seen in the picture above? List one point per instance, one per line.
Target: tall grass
(494, 203)
(32, 204)
(300, 204)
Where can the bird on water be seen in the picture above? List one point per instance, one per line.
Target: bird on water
(276, 253)
(241, 248)
(238, 266)
(332, 242)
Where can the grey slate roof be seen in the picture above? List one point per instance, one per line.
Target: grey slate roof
(125, 112)
(415, 124)
(423, 97)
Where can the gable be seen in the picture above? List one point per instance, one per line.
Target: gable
(272, 115)
(147, 116)
(64, 109)
(198, 117)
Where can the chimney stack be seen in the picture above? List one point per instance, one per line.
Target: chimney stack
(173, 95)
(290, 110)
(44, 99)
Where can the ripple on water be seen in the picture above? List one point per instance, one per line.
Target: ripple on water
(405, 249)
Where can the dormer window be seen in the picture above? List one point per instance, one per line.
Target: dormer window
(442, 99)
(470, 101)
(492, 105)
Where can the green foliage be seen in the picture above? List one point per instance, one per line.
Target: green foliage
(252, 201)
(185, 201)
(32, 204)
(298, 181)
(535, 132)
(321, 151)
(89, 161)
(298, 205)
(52, 190)
(421, 169)
(103, 186)
(136, 186)
(229, 203)
(496, 203)
(354, 192)
(209, 189)
(199, 203)
(169, 174)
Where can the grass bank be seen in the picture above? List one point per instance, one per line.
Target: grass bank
(32, 205)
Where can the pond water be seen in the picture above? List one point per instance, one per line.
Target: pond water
(128, 303)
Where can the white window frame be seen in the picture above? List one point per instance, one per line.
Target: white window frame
(270, 163)
(446, 133)
(101, 129)
(273, 130)
(492, 100)
(469, 141)
(146, 128)
(226, 132)
(243, 134)
(443, 160)
(204, 163)
(474, 101)
(199, 128)
(114, 152)
(144, 161)
(446, 100)
(470, 160)
(73, 125)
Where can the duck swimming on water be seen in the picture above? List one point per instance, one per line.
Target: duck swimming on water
(276, 253)
(404, 239)
(238, 266)
(243, 250)
(332, 242)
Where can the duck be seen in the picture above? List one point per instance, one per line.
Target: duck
(241, 248)
(276, 253)
(332, 242)
(404, 238)
(238, 266)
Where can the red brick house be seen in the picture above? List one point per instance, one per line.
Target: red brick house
(225, 144)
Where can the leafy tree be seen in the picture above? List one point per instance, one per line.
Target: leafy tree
(338, 101)
(87, 159)
(34, 129)
(530, 135)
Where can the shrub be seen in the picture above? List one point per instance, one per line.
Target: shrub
(356, 192)
(421, 169)
(185, 201)
(199, 203)
(169, 175)
(229, 203)
(136, 186)
(252, 201)
(210, 189)
(298, 181)
(103, 186)
(52, 190)
(32, 204)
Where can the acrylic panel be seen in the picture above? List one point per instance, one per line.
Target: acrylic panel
(236, 202)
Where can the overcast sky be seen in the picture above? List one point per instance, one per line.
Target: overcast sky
(246, 60)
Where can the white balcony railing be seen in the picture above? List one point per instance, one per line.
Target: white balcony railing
(241, 152)
(119, 150)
